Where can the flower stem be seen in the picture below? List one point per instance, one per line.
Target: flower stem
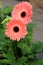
(15, 49)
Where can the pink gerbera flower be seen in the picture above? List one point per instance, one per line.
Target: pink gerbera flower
(23, 11)
(16, 30)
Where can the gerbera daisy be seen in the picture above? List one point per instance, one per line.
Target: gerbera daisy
(16, 30)
(23, 11)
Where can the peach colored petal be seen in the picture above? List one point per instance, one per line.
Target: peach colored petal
(22, 11)
(18, 33)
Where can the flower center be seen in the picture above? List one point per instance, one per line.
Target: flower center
(16, 29)
(23, 14)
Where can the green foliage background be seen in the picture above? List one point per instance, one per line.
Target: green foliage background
(24, 52)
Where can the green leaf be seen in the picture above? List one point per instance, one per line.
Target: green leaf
(10, 54)
(4, 61)
(24, 48)
(1, 63)
(6, 20)
(3, 39)
(22, 60)
(25, 63)
(10, 58)
(33, 46)
(37, 62)
(7, 10)
(30, 27)
(1, 34)
(2, 44)
(36, 48)
(39, 46)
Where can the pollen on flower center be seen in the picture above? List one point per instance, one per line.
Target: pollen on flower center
(23, 14)
(16, 29)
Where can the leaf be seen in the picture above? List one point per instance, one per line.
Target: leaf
(25, 63)
(10, 54)
(22, 59)
(36, 48)
(37, 62)
(30, 27)
(10, 58)
(3, 39)
(1, 34)
(33, 46)
(39, 46)
(6, 20)
(1, 63)
(24, 48)
(2, 44)
(7, 10)
(4, 61)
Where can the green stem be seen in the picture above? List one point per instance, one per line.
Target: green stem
(15, 49)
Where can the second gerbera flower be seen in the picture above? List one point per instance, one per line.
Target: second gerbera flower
(23, 11)
(16, 30)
